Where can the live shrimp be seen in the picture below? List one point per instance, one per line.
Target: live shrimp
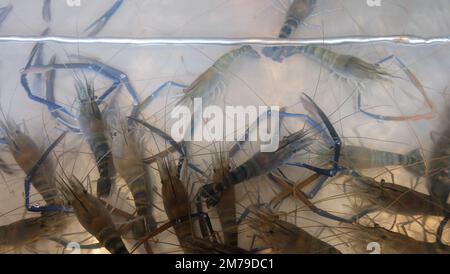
(94, 129)
(176, 202)
(297, 13)
(395, 198)
(358, 157)
(392, 242)
(127, 148)
(209, 82)
(27, 153)
(263, 163)
(284, 237)
(226, 208)
(27, 231)
(93, 216)
(345, 66)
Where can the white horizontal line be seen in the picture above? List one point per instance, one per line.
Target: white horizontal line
(400, 39)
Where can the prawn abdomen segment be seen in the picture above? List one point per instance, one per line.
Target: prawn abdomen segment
(361, 157)
(104, 161)
(261, 163)
(297, 13)
(27, 153)
(110, 238)
(94, 217)
(177, 206)
(93, 127)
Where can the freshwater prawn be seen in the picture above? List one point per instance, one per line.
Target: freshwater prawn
(93, 216)
(210, 82)
(358, 157)
(127, 148)
(283, 237)
(94, 129)
(348, 67)
(226, 207)
(296, 14)
(27, 231)
(26, 154)
(262, 163)
(176, 202)
(391, 242)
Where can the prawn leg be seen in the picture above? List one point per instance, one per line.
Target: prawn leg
(290, 145)
(248, 210)
(29, 177)
(282, 114)
(4, 12)
(416, 83)
(169, 224)
(179, 147)
(441, 227)
(302, 197)
(146, 102)
(46, 11)
(35, 55)
(321, 181)
(337, 143)
(118, 77)
(288, 192)
(50, 96)
(98, 24)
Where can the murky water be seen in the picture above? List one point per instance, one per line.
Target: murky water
(417, 91)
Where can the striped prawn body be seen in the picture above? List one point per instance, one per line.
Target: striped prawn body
(128, 162)
(209, 82)
(297, 13)
(30, 230)
(284, 237)
(27, 153)
(93, 128)
(93, 216)
(226, 208)
(359, 157)
(176, 203)
(396, 199)
(345, 66)
(393, 242)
